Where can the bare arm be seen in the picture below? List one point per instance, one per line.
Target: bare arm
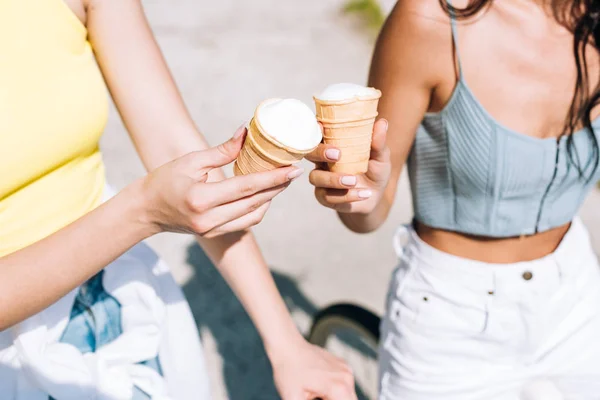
(404, 68)
(161, 129)
(140, 82)
(175, 197)
(90, 243)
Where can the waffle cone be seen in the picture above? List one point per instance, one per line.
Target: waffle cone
(350, 168)
(354, 160)
(354, 141)
(262, 152)
(355, 109)
(236, 169)
(348, 125)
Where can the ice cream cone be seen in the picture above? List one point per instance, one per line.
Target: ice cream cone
(348, 125)
(262, 152)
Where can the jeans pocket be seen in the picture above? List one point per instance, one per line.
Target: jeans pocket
(443, 308)
(439, 315)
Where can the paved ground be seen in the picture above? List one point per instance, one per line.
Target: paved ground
(227, 56)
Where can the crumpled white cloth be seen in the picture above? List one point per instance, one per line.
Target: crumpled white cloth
(156, 320)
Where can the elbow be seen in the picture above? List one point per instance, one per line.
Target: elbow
(5, 324)
(4, 316)
(362, 230)
(361, 227)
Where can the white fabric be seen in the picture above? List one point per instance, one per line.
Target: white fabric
(458, 329)
(156, 320)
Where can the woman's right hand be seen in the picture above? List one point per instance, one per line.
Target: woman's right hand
(352, 194)
(179, 198)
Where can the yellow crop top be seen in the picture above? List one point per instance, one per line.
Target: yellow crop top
(53, 109)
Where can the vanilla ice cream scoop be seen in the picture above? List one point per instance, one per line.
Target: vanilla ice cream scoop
(290, 122)
(281, 133)
(347, 91)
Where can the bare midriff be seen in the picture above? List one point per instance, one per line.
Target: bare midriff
(493, 250)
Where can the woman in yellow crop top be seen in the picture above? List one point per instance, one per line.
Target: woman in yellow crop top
(86, 309)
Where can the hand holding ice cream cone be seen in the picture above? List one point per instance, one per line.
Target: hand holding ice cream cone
(347, 113)
(353, 164)
(352, 193)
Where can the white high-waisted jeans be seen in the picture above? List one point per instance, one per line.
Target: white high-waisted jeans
(457, 329)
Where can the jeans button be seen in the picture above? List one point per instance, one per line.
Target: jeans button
(527, 275)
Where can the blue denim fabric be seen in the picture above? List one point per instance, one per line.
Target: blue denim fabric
(96, 321)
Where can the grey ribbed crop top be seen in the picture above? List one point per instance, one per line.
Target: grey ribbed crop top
(470, 174)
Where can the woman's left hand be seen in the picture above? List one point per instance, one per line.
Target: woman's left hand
(306, 372)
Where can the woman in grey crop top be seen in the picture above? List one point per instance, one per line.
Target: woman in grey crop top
(493, 107)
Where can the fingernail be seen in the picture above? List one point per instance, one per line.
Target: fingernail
(240, 131)
(365, 194)
(387, 124)
(332, 154)
(295, 173)
(349, 180)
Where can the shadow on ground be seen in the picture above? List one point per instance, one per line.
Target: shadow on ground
(246, 369)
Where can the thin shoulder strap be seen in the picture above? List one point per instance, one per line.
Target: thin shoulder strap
(454, 26)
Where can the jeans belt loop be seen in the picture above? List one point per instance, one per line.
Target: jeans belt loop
(401, 240)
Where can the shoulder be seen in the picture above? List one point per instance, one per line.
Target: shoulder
(424, 19)
(78, 7)
(416, 39)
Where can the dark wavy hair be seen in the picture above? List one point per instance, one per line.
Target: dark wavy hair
(582, 18)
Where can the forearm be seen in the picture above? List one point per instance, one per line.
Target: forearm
(140, 82)
(240, 262)
(35, 277)
(236, 256)
(161, 128)
(238, 259)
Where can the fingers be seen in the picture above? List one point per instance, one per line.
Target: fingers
(222, 154)
(206, 196)
(328, 153)
(297, 396)
(336, 386)
(343, 379)
(378, 145)
(331, 180)
(340, 363)
(240, 224)
(221, 215)
(340, 391)
(324, 153)
(333, 197)
(342, 387)
(316, 374)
